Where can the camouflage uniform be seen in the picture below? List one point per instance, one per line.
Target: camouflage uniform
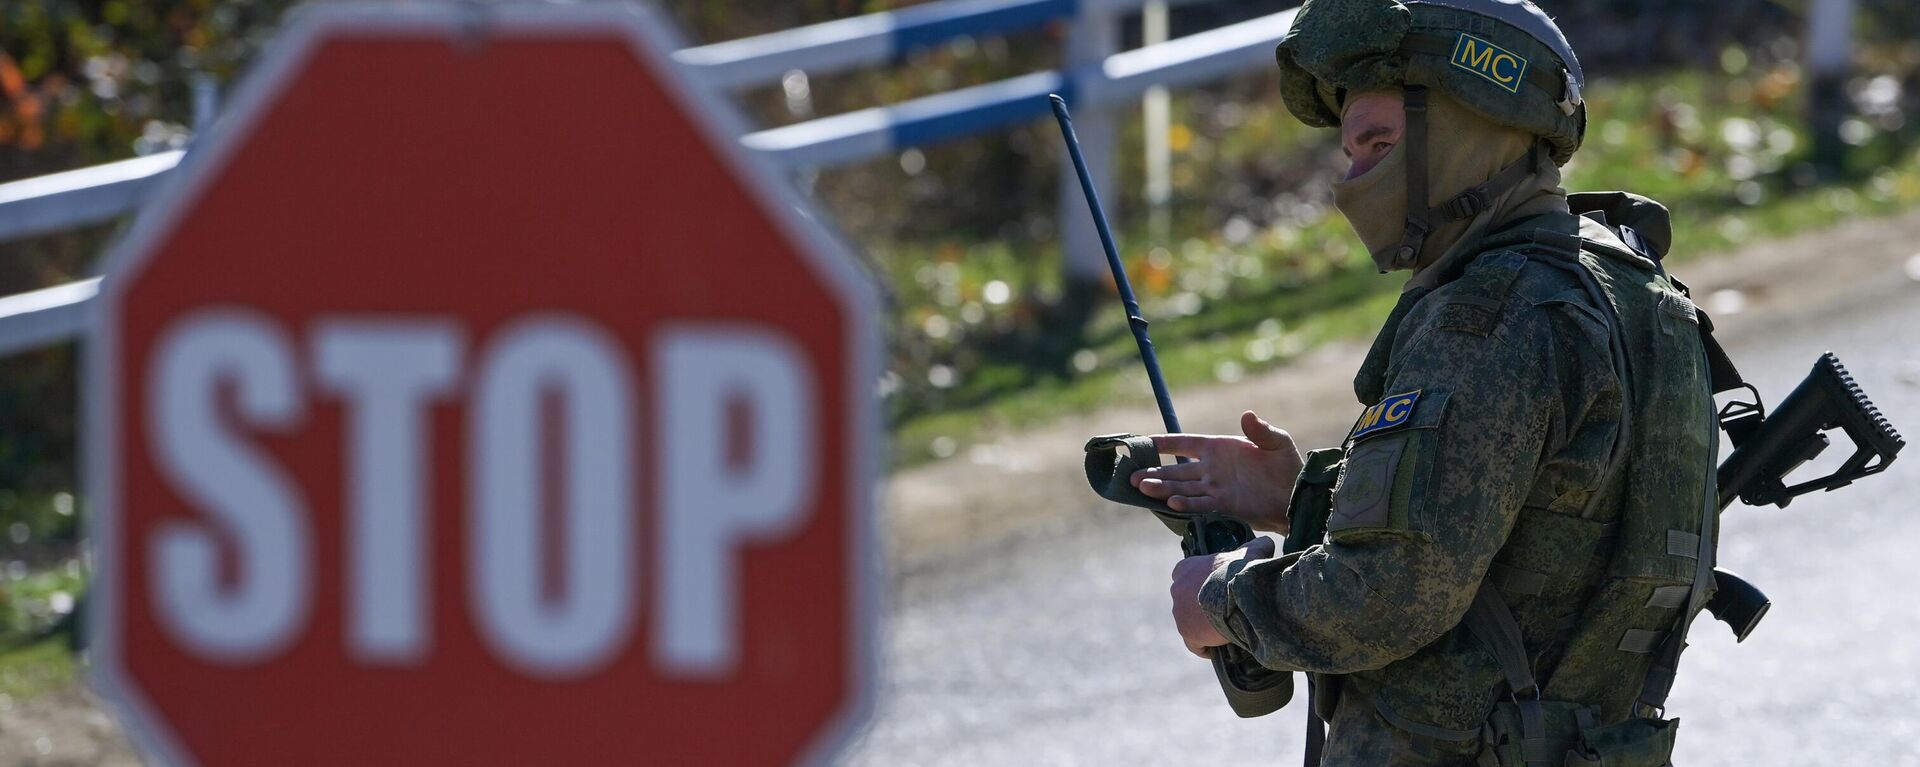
(1499, 468)
(1538, 427)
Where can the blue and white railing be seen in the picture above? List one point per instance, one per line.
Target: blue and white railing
(864, 41)
(1093, 74)
(867, 133)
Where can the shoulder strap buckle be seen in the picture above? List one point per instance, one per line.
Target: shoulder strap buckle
(1466, 204)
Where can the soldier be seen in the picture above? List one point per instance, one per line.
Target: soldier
(1525, 504)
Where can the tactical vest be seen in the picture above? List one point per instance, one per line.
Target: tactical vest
(1587, 686)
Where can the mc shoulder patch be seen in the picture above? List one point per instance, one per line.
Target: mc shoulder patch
(1394, 411)
(1498, 65)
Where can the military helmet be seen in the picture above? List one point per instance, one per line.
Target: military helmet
(1503, 59)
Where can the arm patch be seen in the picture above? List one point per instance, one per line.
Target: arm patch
(1366, 490)
(1392, 412)
(1387, 460)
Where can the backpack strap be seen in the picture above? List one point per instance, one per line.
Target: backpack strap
(1492, 622)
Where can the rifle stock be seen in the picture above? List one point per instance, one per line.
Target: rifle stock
(1769, 447)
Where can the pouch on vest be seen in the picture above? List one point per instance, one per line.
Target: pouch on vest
(1637, 742)
(1307, 526)
(1312, 499)
(1573, 739)
(1503, 744)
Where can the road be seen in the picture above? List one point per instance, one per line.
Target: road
(1050, 644)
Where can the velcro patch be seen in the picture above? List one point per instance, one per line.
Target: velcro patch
(1392, 412)
(1492, 62)
(1364, 498)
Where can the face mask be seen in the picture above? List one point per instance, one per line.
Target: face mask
(1375, 204)
(1463, 150)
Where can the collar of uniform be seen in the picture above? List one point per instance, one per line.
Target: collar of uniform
(1567, 228)
(1369, 384)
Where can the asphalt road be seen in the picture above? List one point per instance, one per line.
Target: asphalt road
(1053, 646)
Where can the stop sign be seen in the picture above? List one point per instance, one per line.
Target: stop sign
(470, 398)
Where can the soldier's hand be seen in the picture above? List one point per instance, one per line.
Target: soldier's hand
(1249, 479)
(1188, 576)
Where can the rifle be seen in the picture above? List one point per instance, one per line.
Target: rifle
(1766, 448)
(1251, 689)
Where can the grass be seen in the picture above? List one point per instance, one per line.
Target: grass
(35, 656)
(36, 668)
(1724, 151)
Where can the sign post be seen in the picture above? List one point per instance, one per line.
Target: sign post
(469, 397)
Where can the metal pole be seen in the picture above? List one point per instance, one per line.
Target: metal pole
(1157, 115)
(1135, 321)
(1093, 36)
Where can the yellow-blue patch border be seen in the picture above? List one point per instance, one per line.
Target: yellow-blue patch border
(1362, 428)
(1518, 77)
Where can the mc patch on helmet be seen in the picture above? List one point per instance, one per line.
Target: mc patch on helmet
(1391, 412)
(1503, 59)
(1498, 65)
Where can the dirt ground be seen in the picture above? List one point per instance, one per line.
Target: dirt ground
(1027, 483)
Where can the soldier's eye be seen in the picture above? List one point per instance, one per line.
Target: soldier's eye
(1382, 147)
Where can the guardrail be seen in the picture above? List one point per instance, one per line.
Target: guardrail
(866, 133)
(1093, 75)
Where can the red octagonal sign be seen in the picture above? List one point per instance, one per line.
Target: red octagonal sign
(470, 398)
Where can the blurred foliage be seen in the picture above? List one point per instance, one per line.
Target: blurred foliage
(1261, 269)
(84, 82)
(81, 82)
(36, 602)
(36, 639)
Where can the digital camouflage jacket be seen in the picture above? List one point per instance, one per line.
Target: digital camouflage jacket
(1487, 451)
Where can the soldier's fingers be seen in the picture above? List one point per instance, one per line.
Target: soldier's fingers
(1204, 652)
(1188, 445)
(1162, 488)
(1260, 547)
(1264, 435)
(1194, 504)
(1189, 470)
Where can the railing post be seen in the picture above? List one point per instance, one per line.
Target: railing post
(1829, 64)
(206, 100)
(1093, 36)
(1156, 118)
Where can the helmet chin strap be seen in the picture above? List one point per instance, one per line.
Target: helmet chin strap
(1421, 219)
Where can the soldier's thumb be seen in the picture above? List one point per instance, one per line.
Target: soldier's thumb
(1264, 435)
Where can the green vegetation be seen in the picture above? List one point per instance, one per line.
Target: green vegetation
(1723, 150)
(36, 650)
(41, 588)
